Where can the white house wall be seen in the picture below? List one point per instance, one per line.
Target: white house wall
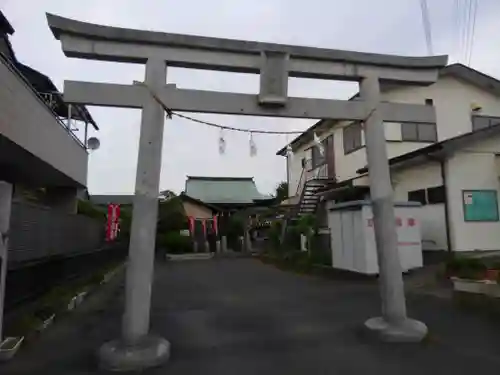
(432, 216)
(452, 99)
(474, 168)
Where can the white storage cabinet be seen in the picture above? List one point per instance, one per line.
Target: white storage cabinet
(353, 236)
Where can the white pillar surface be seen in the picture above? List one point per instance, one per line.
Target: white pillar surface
(137, 349)
(5, 210)
(391, 280)
(145, 210)
(393, 325)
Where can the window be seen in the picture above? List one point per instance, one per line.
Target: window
(417, 196)
(429, 101)
(424, 132)
(482, 122)
(316, 158)
(436, 195)
(427, 132)
(409, 131)
(352, 137)
(432, 195)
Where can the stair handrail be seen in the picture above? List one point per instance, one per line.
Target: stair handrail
(303, 177)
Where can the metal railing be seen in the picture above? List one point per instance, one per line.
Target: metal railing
(38, 96)
(318, 172)
(308, 174)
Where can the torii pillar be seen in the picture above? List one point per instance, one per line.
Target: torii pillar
(138, 349)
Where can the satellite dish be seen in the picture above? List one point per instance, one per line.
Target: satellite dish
(93, 143)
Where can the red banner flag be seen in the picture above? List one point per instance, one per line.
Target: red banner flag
(204, 225)
(191, 225)
(112, 222)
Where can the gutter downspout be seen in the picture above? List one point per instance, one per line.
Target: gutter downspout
(288, 175)
(442, 164)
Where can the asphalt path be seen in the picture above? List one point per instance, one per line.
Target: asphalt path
(239, 316)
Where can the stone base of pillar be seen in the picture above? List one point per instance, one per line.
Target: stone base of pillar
(409, 330)
(151, 351)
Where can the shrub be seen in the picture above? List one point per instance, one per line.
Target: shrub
(306, 224)
(274, 234)
(87, 208)
(466, 268)
(173, 242)
(320, 250)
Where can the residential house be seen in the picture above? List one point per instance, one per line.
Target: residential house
(38, 148)
(467, 102)
(44, 161)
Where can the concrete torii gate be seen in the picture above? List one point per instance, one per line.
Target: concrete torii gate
(275, 63)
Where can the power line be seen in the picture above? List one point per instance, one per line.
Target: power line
(456, 22)
(427, 26)
(468, 22)
(473, 30)
(462, 26)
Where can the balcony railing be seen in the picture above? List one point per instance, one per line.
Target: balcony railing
(42, 100)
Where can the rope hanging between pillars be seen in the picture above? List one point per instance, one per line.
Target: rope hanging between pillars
(221, 140)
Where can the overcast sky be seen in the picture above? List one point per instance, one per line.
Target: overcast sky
(383, 26)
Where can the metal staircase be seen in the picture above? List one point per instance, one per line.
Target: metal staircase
(311, 181)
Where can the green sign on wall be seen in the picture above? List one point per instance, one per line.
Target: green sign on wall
(480, 205)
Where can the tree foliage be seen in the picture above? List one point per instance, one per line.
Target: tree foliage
(87, 208)
(282, 191)
(171, 216)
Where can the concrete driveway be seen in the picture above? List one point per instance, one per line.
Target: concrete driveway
(239, 316)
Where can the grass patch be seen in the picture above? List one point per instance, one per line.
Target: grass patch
(56, 301)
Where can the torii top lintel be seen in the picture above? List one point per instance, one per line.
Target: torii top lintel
(91, 41)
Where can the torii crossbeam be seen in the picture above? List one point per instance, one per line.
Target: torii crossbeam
(275, 63)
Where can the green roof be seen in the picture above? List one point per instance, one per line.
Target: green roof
(235, 190)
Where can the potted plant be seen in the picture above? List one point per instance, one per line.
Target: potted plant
(492, 274)
(469, 275)
(9, 347)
